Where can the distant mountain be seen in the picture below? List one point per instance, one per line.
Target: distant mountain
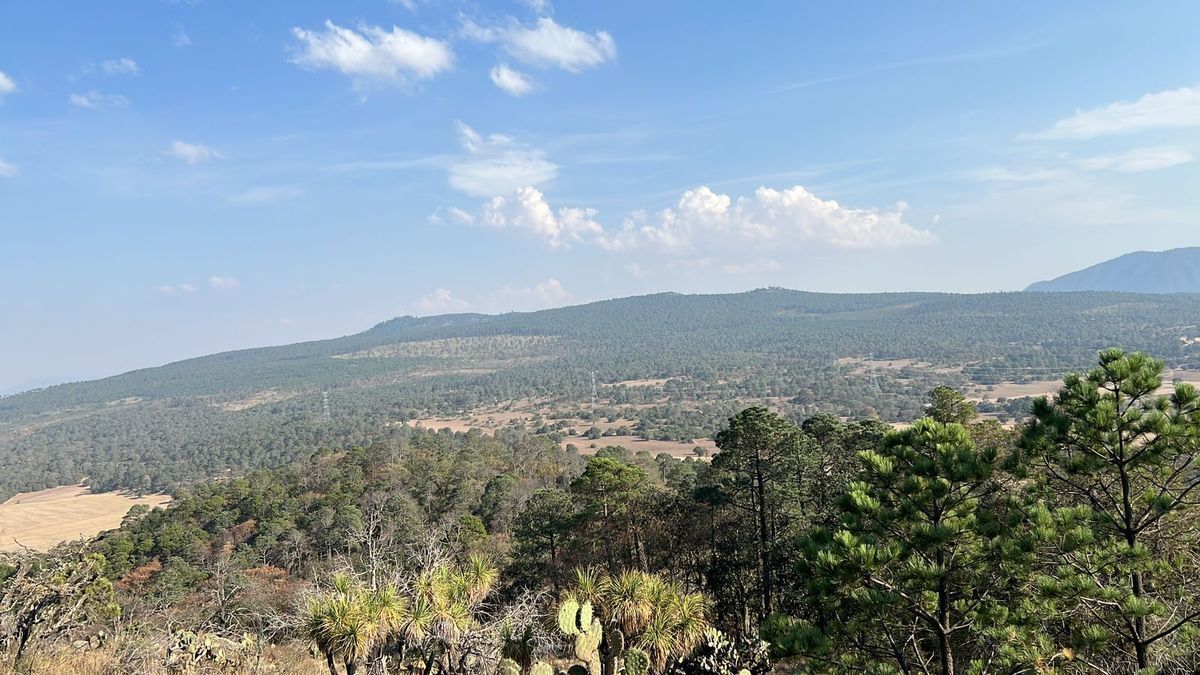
(1173, 271)
(670, 366)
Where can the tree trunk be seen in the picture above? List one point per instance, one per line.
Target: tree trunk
(330, 662)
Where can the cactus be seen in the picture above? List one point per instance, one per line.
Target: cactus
(508, 667)
(637, 662)
(541, 668)
(587, 643)
(568, 616)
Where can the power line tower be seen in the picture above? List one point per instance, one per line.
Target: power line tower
(593, 394)
(325, 406)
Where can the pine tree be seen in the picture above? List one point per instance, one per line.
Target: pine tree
(1108, 442)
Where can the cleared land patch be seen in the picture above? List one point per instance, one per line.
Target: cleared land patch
(41, 519)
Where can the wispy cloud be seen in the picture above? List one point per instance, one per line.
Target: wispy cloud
(223, 283)
(7, 86)
(1139, 160)
(1173, 108)
(511, 81)
(440, 301)
(547, 44)
(121, 66)
(94, 100)
(506, 298)
(497, 164)
(192, 153)
(373, 55)
(180, 38)
(173, 289)
(265, 194)
(7, 169)
(542, 295)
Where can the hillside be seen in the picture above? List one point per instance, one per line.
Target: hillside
(1173, 271)
(665, 366)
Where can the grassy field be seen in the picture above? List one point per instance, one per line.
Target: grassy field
(39, 520)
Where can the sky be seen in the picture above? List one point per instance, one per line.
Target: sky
(184, 177)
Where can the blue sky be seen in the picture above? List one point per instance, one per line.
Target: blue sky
(178, 178)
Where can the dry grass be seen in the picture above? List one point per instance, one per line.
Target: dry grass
(39, 520)
(635, 445)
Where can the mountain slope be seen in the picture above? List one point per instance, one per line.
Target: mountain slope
(668, 365)
(1173, 271)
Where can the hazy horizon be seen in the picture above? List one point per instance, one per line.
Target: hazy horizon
(185, 178)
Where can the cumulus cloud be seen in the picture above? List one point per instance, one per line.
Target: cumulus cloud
(441, 301)
(513, 82)
(704, 220)
(1139, 160)
(192, 153)
(1173, 108)
(497, 164)
(7, 86)
(527, 210)
(769, 217)
(223, 283)
(372, 54)
(547, 44)
(7, 169)
(94, 100)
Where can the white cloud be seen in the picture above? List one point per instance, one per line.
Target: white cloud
(192, 153)
(703, 220)
(223, 283)
(1139, 160)
(7, 86)
(94, 100)
(548, 293)
(121, 66)
(548, 44)
(265, 194)
(7, 169)
(527, 210)
(497, 164)
(539, 7)
(1165, 109)
(180, 38)
(768, 218)
(177, 288)
(372, 54)
(513, 82)
(454, 213)
(441, 301)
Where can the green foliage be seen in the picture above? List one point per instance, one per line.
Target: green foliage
(165, 428)
(948, 406)
(637, 662)
(718, 654)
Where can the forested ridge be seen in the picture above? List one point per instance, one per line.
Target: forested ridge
(1067, 544)
(160, 428)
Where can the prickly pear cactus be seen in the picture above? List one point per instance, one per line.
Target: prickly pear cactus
(541, 668)
(508, 667)
(568, 617)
